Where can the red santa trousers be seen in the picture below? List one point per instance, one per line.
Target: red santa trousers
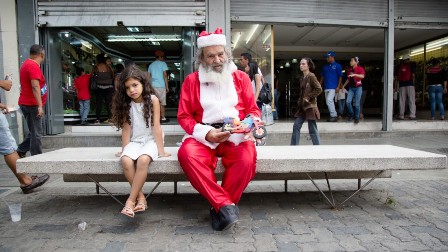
(199, 163)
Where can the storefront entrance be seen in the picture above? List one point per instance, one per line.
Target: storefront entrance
(74, 48)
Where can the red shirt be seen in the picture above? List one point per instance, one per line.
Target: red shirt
(82, 86)
(30, 70)
(355, 81)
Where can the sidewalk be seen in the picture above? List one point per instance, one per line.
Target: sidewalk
(271, 220)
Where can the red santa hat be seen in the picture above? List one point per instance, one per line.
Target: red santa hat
(211, 39)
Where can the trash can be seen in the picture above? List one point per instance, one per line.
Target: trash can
(11, 117)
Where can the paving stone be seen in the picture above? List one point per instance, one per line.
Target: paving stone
(321, 246)
(272, 230)
(259, 214)
(193, 230)
(265, 242)
(233, 247)
(400, 233)
(349, 243)
(431, 242)
(287, 247)
(114, 246)
(350, 230)
(290, 238)
(406, 246)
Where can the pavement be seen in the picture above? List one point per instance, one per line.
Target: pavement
(408, 212)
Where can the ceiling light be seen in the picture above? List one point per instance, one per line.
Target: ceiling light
(252, 33)
(287, 64)
(420, 52)
(136, 38)
(294, 61)
(236, 41)
(134, 29)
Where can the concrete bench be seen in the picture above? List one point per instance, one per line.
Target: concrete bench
(99, 164)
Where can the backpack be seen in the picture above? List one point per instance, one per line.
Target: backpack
(265, 95)
(404, 72)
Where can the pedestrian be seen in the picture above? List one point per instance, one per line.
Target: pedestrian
(159, 79)
(8, 148)
(136, 111)
(405, 74)
(355, 76)
(436, 77)
(32, 99)
(255, 78)
(217, 90)
(105, 86)
(245, 60)
(82, 92)
(331, 80)
(307, 108)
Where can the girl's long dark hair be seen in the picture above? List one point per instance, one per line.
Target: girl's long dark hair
(122, 102)
(253, 70)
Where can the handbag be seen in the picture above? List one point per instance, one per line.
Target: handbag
(93, 80)
(265, 95)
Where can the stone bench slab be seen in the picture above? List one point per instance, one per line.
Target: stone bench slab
(270, 160)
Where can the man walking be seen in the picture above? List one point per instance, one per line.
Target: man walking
(8, 148)
(33, 95)
(405, 74)
(331, 78)
(159, 80)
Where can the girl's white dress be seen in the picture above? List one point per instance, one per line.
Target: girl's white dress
(142, 140)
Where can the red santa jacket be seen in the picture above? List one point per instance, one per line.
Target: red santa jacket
(218, 102)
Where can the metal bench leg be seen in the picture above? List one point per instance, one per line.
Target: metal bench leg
(154, 188)
(97, 189)
(368, 182)
(175, 187)
(359, 183)
(286, 186)
(102, 187)
(321, 192)
(329, 188)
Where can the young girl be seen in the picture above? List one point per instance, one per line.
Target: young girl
(136, 110)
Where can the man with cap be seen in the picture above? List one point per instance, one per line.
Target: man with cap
(159, 80)
(217, 91)
(331, 79)
(405, 76)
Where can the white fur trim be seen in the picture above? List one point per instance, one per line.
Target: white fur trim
(212, 40)
(199, 133)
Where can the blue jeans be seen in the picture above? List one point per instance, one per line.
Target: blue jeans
(329, 99)
(33, 141)
(276, 97)
(84, 108)
(312, 128)
(435, 97)
(341, 105)
(357, 93)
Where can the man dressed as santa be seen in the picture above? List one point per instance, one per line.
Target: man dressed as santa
(217, 91)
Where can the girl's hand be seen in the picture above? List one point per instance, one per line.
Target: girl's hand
(165, 154)
(118, 154)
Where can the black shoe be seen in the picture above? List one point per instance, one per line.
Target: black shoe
(228, 216)
(332, 119)
(37, 181)
(215, 219)
(164, 120)
(21, 154)
(356, 121)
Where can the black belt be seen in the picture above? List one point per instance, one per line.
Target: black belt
(214, 125)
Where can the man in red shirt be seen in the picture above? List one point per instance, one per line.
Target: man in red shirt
(82, 91)
(215, 92)
(33, 95)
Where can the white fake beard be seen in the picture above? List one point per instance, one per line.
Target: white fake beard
(210, 75)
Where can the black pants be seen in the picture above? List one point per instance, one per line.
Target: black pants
(106, 96)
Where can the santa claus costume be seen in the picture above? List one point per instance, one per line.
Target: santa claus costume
(203, 103)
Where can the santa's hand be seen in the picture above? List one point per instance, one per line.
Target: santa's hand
(217, 136)
(164, 154)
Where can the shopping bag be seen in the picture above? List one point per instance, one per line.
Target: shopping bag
(266, 114)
